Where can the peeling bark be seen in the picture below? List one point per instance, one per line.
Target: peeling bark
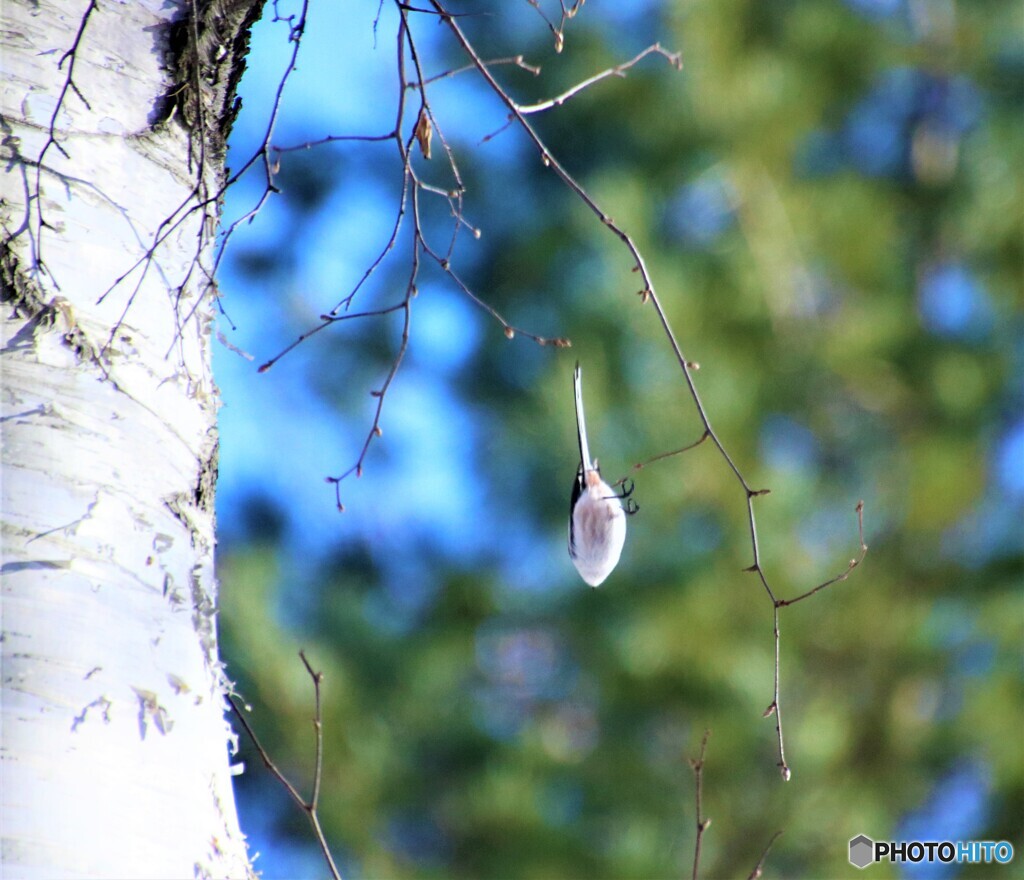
(114, 756)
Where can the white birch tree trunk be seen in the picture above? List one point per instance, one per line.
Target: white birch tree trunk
(114, 757)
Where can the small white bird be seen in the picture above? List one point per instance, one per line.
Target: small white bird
(597, 519)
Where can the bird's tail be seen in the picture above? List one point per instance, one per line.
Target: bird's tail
(581, 422)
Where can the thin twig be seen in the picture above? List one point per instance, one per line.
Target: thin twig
(404, 152)
(703, 823)
(558, 30)
(619, 70)
(515, 60)
(71, 55)
(295, 34)
(510, 330)
(774, 708)
(497, 131)
(346, 302)
(334, 138)
(317, 678)
(640, 465)
(406, 7)
(842, 576)
(326, 321)
(759, 867)
(308, 807)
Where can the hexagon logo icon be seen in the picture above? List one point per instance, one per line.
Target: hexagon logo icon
(862, 851)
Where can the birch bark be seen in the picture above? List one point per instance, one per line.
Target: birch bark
(115, 747)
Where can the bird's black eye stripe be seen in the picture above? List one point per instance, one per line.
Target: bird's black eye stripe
(577, 490)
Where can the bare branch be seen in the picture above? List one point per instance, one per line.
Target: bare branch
(640, 465)
(842, 576)
(71, 55)
(388, 246)
(406, 7)
(296, 31)
(703, 823)
(619, 70)
(510, 330)
(559, 29)
(317, 678)
(775, 707)
(334, 138)
(326, 321)
(308, 807)
(759, 867)
(515, 60)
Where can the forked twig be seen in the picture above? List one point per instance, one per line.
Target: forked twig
(308, 807)
(774, 707)
(842, 576)
(568, 11)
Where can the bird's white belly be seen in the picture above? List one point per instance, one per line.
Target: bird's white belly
(599, 531)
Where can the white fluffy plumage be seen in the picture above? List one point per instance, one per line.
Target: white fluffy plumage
(597, 519)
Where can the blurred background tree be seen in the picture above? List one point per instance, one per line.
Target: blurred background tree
(829, 199)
